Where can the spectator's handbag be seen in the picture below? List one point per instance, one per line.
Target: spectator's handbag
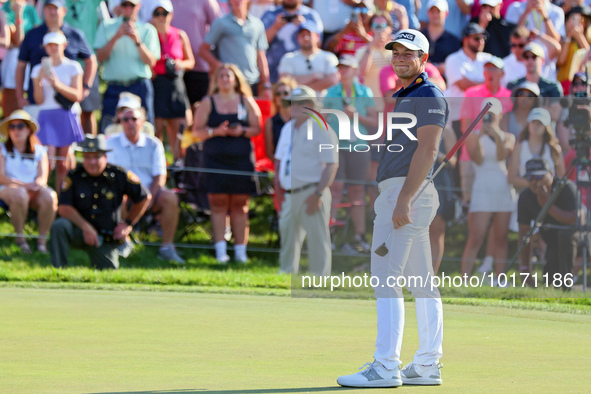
(63, 101)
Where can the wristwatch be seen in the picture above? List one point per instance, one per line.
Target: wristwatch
(319, 194)
(128, 222)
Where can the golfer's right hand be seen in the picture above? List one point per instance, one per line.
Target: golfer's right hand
(401, 214)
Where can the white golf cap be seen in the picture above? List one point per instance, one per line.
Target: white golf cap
(129, 100)
(536, 49)
(492, 3)
(349, 60)
(497, 107)
(54, 37)
(441, 4)
(410, 38)
(495, 61)
(540, 114)
(166, 4)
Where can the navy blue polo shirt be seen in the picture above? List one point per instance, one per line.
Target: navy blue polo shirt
(427, 102)
(32, 50)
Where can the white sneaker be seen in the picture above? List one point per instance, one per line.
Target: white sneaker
(424, 375)
(487, 265)
(222, 259)
(375, 375)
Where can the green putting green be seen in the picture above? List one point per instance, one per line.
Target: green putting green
(62, 341)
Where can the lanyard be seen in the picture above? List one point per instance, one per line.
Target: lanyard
(352, 93)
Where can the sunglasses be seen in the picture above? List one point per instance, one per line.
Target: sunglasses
(479, 38)
(127, 119)
(156, 14)
(379, 26)
(578, 84)
(127, 4)
(530, 57)
(525, 93)
(283, 93)
(520, 46)
(536, 177)
(16, 126)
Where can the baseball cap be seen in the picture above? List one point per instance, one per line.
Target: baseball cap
(54, 37)
(537, 166)
(540, 114)
(441, 4)
(492, 3)
(310, 26)
(135, 2)
(473, 28)
(348, 60)
(302, 93)
(527, 85)
(495, 61)
(580, 75)
(129, 100)
(535, 48)
(410, 38)
(497, 107)
(57, 3)
(166, 4)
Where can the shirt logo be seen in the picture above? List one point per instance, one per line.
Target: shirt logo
(406, 36)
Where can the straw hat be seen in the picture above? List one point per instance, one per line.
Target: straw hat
(18, 114)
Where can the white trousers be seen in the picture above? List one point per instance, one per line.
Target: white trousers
(409, 257)
(295, 225)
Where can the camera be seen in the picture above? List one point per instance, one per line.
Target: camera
(577, 118)
(289, 18)
(487, 118)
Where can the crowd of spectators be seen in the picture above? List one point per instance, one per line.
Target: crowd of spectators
(209, 66)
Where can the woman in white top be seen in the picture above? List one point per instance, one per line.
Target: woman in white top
(24, 171)
(536, 140)
(492, 196)
(57, 86)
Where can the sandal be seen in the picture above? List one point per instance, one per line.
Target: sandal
(42, 248)
(24, 246)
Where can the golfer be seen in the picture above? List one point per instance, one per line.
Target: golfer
(400, 176)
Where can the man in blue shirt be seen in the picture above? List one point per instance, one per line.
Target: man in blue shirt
(402, 171)
(281, 25)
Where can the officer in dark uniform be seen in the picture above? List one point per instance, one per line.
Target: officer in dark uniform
(89, 204)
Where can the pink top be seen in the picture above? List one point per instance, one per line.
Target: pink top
(194, 17)
(388, 77)
(472, 105)
(172, 48)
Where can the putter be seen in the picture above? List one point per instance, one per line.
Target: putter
(382, 250)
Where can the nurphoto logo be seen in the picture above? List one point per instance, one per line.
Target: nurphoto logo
(344, 129)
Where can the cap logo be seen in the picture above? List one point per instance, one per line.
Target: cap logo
(406, 36)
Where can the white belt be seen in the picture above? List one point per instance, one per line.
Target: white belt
(390, 182)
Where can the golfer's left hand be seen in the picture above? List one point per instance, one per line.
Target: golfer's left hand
(401, 214)
(313, 204)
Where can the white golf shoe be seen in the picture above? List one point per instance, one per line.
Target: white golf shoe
(375, 375)
(424, 375)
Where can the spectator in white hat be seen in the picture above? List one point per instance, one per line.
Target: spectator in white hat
(536, 140)
(127, 101)
(57, 88)
(441, 42)
(170, 94)
(498, 29)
